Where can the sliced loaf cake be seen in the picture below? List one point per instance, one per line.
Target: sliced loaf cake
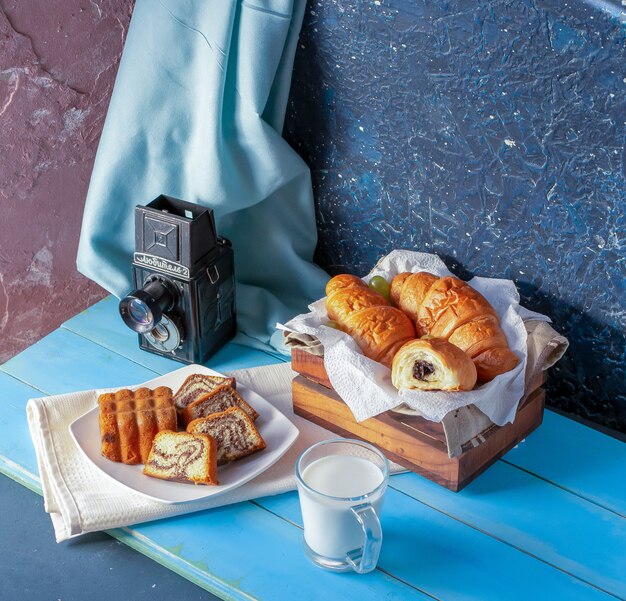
(218, 400)
(234, 431)
(196, 385)
(183, 457)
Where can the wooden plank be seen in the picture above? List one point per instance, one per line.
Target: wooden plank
(64, 362)
(310, 366)
(408, 444)
(566, 531)
(102, 324)
(499, 440)
(451, 560)
(578, 459)
(530, 502)
(245, 552)
(16, 449)
(188, 554)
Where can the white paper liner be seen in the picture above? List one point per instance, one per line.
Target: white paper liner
(365, 385)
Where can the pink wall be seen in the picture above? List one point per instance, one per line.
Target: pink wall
(58, 60)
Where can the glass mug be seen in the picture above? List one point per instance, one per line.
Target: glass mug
(341, 484)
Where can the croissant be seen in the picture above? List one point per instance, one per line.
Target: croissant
(344, 301)
(451, 309)
(414, 289)
(344, 280)
(433, 364)
(378, 329)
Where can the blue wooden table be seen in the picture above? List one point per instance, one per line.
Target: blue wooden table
(547, 521)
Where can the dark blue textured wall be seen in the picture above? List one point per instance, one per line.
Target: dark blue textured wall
(491, 133)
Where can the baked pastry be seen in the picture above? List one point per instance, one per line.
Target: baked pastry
(493, 362)
(414, 289)
(432, 364)
(450, 308)
(196, 385)
(183, 457)
(450, 303)
(379, 331)
(217, 400)
(234, 431)
(343, 302)
(344, 280)
(129, 421)
(395, 288)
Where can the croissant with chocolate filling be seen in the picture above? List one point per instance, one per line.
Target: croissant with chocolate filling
(432, 364)
(451, 309)
(378, 329)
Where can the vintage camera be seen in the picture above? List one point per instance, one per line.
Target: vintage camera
(183, 305)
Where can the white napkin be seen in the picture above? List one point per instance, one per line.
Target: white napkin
(80, 499)
(365, 385)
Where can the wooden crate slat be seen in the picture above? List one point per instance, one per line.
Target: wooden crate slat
(408, 446)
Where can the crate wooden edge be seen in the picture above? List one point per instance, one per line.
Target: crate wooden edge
(413, 442)
(406, 447)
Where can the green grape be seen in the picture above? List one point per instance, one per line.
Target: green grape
(379, 284)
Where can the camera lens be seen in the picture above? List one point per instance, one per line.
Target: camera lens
(143, 309)
(160, 333)
(140, 312)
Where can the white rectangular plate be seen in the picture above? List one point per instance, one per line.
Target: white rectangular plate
(276, 429)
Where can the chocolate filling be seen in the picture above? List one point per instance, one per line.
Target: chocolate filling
(422, 369)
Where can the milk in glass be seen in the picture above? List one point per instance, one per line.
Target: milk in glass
(330, 528)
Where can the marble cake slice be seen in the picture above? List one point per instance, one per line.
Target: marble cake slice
(234, 431)
(183, 457)
(216, 401)
(196, 385)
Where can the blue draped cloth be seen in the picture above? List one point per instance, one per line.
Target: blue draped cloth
(196, 113)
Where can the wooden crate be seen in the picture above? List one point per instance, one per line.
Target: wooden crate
(413, 442)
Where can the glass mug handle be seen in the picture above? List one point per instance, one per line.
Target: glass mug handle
(365, 558)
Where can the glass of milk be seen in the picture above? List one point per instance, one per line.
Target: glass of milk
(341, 484)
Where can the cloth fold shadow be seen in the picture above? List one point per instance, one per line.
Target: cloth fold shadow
(196, 113)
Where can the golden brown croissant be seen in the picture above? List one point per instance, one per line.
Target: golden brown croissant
(450, 303)
(396, 287)
(414, 289)
(378, 329)
(493, 362)
(433, 364)
(450, 308)
(344, 280)
(343, 302)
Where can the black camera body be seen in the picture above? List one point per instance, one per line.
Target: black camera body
(183, 305)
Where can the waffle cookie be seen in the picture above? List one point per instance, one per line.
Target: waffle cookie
(129, 421)
(196, 385)
(218, 400)
(183, 457)
(234, 431)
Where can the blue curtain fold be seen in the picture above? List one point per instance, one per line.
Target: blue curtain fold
(196, 113)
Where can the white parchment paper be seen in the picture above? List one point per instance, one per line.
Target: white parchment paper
(365, 385)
